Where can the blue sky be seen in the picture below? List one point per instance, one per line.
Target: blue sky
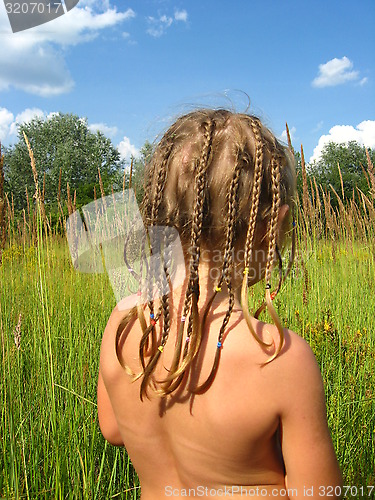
(130, 67)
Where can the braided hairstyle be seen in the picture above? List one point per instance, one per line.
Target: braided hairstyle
(219, 178)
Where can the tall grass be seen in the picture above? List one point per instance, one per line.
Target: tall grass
(52, 319)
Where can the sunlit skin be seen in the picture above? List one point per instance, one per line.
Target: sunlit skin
(258, 425)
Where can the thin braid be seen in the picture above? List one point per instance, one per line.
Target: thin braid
(276, 201)
(272, 232)
(232, 201)
(194, 330)
(255, 197)
(144, 343)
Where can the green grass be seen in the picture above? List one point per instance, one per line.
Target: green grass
(51, 445)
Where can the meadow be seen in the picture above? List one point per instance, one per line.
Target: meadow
(52, 318)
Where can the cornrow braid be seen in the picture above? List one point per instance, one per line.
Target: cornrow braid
(255, 197)
(194, 330)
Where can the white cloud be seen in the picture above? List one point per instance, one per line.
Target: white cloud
(363, 133)
(25, 117)
(126, 149)
(104, 129)
(34, 60)
(336, 72)
(6, 119)
(158, 26)
(9, 123)
(181, 15)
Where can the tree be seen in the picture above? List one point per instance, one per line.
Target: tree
(139, 165)
(61, 142)
(351, 157)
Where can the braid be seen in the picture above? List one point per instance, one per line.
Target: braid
(232, 201)
(272, 233)
(255, 197)
(164, 307)
(194, 330)
(275, 189)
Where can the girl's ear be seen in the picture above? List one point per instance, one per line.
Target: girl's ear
(282, 223)
(283, 211)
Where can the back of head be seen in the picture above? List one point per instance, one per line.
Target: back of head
(214, 145)
(220, 179)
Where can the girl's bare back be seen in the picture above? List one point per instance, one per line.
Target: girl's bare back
(227, 440)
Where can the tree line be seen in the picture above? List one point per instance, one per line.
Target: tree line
(69, 156)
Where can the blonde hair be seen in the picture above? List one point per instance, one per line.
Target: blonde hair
(217, 177)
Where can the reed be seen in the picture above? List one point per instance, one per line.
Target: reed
(3, 220)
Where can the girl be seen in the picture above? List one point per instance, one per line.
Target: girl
(207, 399)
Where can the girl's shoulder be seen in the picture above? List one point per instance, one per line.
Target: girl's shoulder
(114, 332)
(295, 364)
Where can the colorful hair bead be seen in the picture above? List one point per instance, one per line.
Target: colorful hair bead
(153, 322)
(218, 289)
(219, 344)
(183, 319)
(273, 295)
(161, 348)
(246, 270)
(152, 315)
(268, 286)
(187, 340)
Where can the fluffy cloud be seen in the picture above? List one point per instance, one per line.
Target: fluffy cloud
(34, 60)
(158, 26)
(9, 123)
(336, 72)
(363, 133)
(6, 120)
(181, 15)
(104, 129)
(25, 117)
(127, 150)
